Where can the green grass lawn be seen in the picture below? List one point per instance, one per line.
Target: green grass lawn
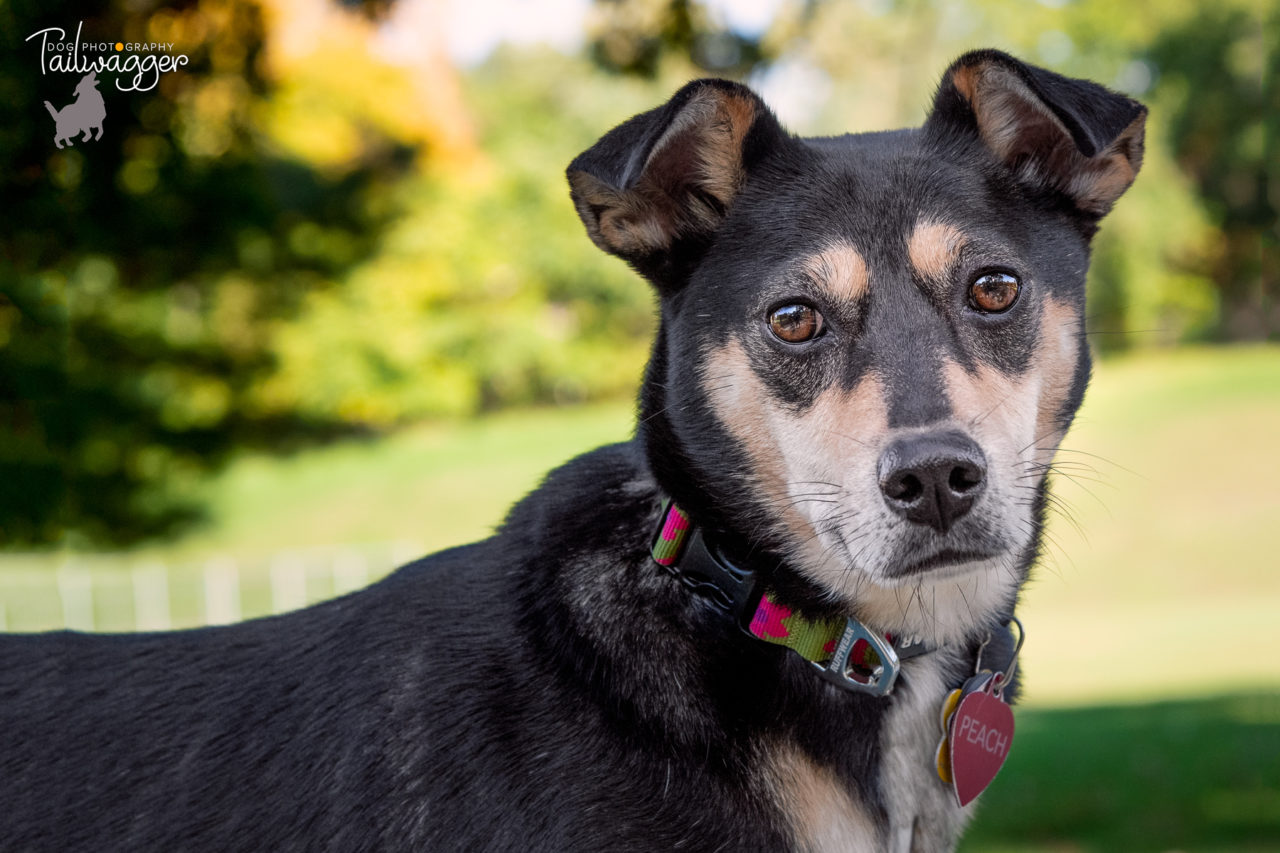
(1165, 579)
(1193, 775)
(437, 485)
(1151, 717)
(390, 500)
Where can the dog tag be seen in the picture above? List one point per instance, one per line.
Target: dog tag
(942, 757)
(979, 737)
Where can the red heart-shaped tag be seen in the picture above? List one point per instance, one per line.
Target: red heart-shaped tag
(981, 734)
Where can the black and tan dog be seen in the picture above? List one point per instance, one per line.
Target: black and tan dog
(870, 347)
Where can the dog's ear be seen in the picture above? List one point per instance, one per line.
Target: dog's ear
(654, 189)
(1058, 133)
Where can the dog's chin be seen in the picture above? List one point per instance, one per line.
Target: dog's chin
(943, 595)
(944, 599)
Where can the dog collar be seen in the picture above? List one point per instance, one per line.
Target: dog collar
(843, 651)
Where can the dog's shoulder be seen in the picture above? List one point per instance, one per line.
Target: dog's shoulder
(596, 490)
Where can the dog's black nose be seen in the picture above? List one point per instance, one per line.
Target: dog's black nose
(933, 478)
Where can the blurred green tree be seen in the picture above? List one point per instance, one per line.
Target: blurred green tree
(638, 36)
(486, 293)
(143, 272)
(1222, 69)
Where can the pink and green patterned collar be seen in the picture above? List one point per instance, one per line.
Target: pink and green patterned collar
(843, 651)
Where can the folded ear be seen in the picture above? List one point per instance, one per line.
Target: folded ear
(1053, 132)
(656, 187)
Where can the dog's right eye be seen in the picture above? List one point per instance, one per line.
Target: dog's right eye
(795, 324)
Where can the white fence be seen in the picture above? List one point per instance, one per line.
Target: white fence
(114, 593)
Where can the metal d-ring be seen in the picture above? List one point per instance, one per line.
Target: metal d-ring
(1013, 661)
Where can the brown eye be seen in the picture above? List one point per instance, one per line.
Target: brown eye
(993, 292)
(795, 324)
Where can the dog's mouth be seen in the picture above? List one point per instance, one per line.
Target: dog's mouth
(912, 555)
(947, 558)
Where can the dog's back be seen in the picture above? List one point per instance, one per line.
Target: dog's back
(263, 735)
(459, 704)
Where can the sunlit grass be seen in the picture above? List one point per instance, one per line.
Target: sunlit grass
(385, 501)
(1164, 578)
(436, 486)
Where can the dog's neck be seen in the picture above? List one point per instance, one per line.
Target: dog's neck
(842, 649)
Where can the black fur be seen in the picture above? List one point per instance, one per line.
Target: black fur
(549, 688)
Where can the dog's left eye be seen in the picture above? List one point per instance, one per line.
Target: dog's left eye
(994, 292)
(796, 323)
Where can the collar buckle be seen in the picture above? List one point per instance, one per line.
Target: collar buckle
(863, 662)
(704, 568)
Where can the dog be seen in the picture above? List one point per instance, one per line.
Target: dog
(84, 114)
(735, 632)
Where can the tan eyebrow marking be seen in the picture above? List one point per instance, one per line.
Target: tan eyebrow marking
(840, 270)
(934, 247)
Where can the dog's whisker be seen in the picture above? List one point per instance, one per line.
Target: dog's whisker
(847, 437)
(977, 421)
(1104, 460)
(968, 606)
(1035, 442)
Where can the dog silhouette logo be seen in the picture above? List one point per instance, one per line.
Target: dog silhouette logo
(83, 115)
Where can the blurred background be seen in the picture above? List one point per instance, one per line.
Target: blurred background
(318, 303)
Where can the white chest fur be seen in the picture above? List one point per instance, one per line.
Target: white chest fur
(923, 814)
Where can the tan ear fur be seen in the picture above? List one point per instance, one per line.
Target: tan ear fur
(1022, 132)
(686, 185)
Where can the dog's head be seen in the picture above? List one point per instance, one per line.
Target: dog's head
(88, 83)
(870, 345)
